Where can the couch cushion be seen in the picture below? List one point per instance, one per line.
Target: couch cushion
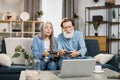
(12, 43)
(13, 69)
(92, 47)
(3, 47)
(5, 60)
(103, 58)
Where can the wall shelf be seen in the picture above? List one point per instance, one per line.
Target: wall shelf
(107, 22)
(18, 28)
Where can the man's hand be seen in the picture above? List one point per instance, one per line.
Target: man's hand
(74, 53)
(62, 52)
(46, 53)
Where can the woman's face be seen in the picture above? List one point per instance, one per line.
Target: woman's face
(48, 29)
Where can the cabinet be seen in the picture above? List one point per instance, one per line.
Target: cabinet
(17, 28)
(108, 28)
(102, 40)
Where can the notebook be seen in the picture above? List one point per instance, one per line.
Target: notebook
(77, 68)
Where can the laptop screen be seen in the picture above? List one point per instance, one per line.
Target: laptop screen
(77, 67)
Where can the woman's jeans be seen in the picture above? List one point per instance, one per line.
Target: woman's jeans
(50, 65)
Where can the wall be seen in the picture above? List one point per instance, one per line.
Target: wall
(12, 6)
(53, 12)
(102, 29)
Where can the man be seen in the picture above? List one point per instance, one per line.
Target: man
(71, 43)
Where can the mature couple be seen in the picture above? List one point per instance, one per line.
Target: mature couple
(69, 44)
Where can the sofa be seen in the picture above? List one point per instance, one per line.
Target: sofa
(8, 46)
(93, 49)
(13, 72)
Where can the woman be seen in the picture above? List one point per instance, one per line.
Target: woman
(42, 45)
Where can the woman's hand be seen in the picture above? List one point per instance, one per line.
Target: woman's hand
(46, 53)
(56, 54)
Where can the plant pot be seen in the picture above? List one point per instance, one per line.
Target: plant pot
(113, 20)
(96, 34)
(38, 19)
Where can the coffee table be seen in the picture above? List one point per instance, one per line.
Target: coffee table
(50, 75)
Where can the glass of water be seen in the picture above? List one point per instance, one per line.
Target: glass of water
(37, 64)
(34, 73)
(119, 66)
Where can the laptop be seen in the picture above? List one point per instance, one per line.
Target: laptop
(77, 68)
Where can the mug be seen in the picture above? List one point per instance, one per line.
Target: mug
(98, 68)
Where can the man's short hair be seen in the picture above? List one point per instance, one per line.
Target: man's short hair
(67, 20)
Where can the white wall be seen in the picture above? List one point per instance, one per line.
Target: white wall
(53, 12)
(102, 29)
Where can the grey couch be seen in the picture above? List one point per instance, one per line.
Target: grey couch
(13, 72)
(93, 50)
(10, 73)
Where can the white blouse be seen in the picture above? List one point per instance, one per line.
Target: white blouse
(47, 45)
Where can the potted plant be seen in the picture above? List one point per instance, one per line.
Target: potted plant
(113, 15)
(96, 24)
(40, 14)
(19, 50)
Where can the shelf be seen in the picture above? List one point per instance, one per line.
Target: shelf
(96, 7)
(18, 28)
(4, 32)
(7, 21)
(114, 23)
(101, 22)
(108, 24)
(102, 7)
(28, 32)
(104, 22)
(114, 39)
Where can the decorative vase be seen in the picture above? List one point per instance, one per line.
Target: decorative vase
(113, 20)
(28, 65)
(96, 1)
(34, 65)
(38, 19)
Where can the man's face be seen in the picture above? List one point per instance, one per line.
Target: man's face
(68, 29)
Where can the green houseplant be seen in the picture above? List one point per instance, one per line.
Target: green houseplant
(40, 14)
(96, 24)
(113, 15)
(19, 50)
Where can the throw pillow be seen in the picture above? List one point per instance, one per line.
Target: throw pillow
(103, 58)
(5, 60)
